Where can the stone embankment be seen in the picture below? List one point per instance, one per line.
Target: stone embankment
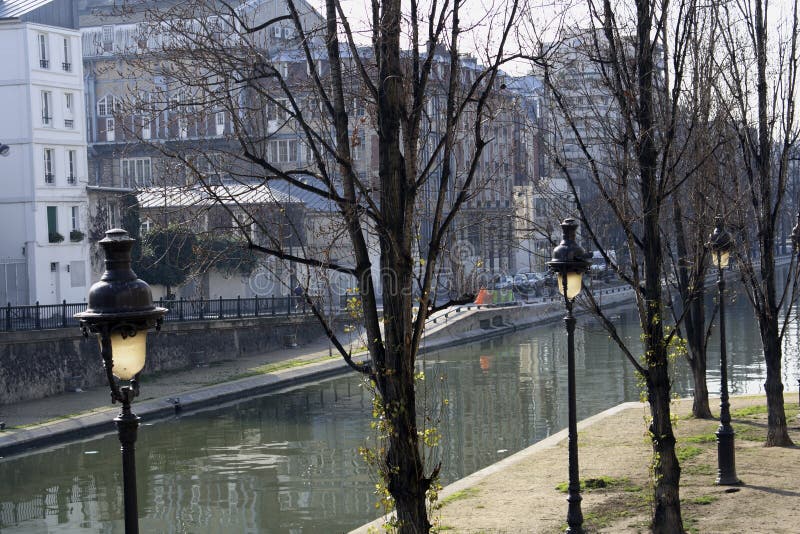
(195, 364)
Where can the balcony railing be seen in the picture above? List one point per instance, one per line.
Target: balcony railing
(66, 66)
(69, 123)
(49, 178)
(72, 179)
(44, 63)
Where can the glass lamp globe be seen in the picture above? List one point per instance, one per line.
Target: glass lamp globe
(574, 284)
(128, 354)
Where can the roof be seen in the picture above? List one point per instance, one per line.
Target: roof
(160, 197)
(14, 9)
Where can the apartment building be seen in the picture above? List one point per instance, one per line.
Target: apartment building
(44, 253)
(163, 128)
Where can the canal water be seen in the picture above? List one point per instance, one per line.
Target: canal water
(288, 462)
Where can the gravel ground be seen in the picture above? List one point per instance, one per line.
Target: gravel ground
(523, 497)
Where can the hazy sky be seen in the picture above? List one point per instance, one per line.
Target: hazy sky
(538, 21)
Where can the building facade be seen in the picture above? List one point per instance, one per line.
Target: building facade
(44, 253)
(153, 128)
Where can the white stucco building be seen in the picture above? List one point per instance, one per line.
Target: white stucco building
(44, 253)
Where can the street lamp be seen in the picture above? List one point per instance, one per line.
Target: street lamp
(120, 312)
(720, 244)
(569, 262)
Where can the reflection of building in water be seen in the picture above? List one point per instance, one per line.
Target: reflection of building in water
(232, 470)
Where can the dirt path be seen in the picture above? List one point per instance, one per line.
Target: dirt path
(523, 498)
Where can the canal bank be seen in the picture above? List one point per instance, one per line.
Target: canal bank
(289, 460)
(525, 492)
(86, 412)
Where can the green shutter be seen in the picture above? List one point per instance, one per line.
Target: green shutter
(52, 219)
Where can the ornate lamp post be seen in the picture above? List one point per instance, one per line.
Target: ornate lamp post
(120, 312)
(720, 244)
(569, 262)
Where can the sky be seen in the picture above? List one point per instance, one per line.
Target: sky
(539, 21)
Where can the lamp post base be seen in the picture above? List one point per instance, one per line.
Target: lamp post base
(726, 457)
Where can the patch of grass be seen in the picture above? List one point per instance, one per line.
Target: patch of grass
(603, 482)
(618, 507)
(459, 495)
(688, 452)
(701, 438)
(699, 469)
(690, 524)
(750, 432)
(278, 366)
(703, 499)
(749, 411)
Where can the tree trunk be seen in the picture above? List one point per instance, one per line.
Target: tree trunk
(667, 471)
(405, 471)
(694, 321)
(700, 406)
(777, 431)
(769, 314)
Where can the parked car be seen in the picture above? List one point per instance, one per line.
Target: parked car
(522, 284)
(503, 282)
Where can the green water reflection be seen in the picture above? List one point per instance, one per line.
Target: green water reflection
(287, 463)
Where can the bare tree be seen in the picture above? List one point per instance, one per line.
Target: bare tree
(386, 136)
(624, 129)
(758, 89)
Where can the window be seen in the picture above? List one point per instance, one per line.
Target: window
(44, 56)
(220, 122)
(283, 150)
(77, 272)
(136, 172)
(110, 129)
(69, 103)
(107, 105)
(147, 225)
(49, 177)
(358, 141)
(47, 108)
(111, 215)
(183, 127)
(66, 65)
(76, 214)
(277, 110)
(108, 35)
(146, 127)
(52, 225)
(72, 162)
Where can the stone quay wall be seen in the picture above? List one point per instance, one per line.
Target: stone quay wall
(40, 363)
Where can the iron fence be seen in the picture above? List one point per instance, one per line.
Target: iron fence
(44, 316)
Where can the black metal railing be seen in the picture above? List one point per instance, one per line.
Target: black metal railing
(69, 123)
(44, 63)
(66, 66)
(42, 316)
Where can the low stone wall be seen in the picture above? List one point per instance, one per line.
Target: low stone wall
(40, 363)
(474, 323)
